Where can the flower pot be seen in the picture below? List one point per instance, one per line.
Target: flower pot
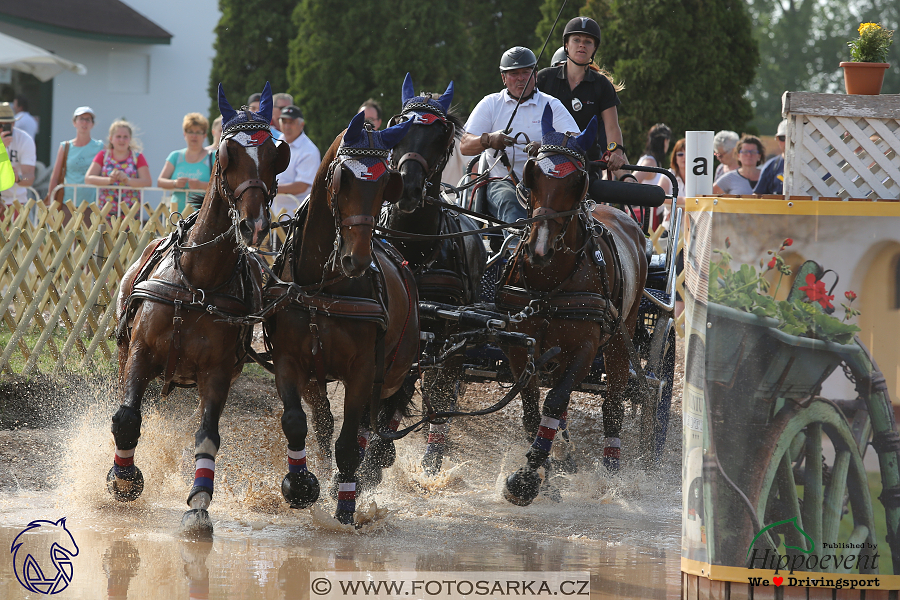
(864, 78)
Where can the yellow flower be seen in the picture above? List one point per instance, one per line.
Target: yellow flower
(865, 27)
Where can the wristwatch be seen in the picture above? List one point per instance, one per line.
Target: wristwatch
(613, 146)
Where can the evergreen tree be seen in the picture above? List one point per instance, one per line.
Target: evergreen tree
(345, 52)
(686, 63)
(549, 12)
(251, 48)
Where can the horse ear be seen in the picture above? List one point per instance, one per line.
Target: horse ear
(394, 188)
(587, 137)
(228, 113)
(265, 103)
(222, 155)
(391, 136)
(446, 98)
(354, 128)
(283, 158)
(409, 91)
(547, 121)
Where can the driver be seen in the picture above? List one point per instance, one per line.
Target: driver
(586, 90)
(484, 129)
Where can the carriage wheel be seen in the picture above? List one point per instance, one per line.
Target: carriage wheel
(655, 410)
(827, 488)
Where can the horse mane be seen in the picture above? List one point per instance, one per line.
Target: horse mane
(318, 186)
(196, 199)
(458, 124)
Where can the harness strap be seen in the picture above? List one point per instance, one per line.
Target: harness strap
(174, 349)
(366, 220)
(318, 352)
(257, 183)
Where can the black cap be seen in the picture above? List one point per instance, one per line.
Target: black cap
(253, 98)
(291, 112)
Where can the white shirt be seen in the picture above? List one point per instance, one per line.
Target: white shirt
(493, 113)
(27, 123)
(21, 152)
(305, 159)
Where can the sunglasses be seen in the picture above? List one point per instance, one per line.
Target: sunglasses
(679, 154)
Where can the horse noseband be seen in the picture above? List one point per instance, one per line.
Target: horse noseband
(365, 220)
(414, 156)
(257, 183)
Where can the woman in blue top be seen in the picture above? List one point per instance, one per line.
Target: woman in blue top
(191, 167)
(81, 151)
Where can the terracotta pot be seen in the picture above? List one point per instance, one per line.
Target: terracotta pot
(864, 78)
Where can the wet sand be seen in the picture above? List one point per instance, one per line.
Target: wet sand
(624, 530)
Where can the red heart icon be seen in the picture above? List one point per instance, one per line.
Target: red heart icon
(777, 581)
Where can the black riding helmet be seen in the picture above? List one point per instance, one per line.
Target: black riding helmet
(517, 57)
(587, 26)
(559, 57)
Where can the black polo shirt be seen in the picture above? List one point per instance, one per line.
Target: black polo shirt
(595, 93)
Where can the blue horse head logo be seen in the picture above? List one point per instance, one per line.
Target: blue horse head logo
(32, 566)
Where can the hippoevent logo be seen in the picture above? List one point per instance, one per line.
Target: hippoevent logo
(862, 555)
(42, 556)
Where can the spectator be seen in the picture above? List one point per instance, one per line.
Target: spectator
(771, 180)
(20, 148)
(658, 139)
(484, 129)
(676, 160)
(253, 102)
(724, 144)
(305, 158)
(585, 90)
(741, 181)
(81, 152)
(216, 134)
(24, 120)
(279, 102)
(120, 164)
(189, 168)
(373, 112)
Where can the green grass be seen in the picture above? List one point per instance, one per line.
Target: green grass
(46, 363)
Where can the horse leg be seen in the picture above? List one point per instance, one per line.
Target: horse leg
(442, 389)
(213, 387)
(323, 423)
(615, 357)
(523, 486)
(125, 481)
(346, 450)
(381, 453)
(299, 487)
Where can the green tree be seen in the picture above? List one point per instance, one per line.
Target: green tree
(251, 48)
(332, 70)
(686, 63)
(549, 12)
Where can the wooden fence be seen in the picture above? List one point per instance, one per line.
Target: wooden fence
(59, 282)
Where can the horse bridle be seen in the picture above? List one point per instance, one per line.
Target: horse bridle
(430, 170)
(333, 185)
(233, 196)
(578, 160)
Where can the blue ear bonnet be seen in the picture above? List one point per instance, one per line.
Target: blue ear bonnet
(241, 119)
(440, 106)
(580, 143)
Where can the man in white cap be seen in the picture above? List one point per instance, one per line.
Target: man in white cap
(298, 178)
(771, 179)
(20, 148)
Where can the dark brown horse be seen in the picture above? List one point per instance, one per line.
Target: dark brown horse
(350, 311)
(181, 306)
(583, 280)
(447, 271)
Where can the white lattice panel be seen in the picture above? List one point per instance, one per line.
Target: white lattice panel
(842, 146)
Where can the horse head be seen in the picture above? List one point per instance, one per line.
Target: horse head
(247, 163)
(425, 149)
(558, 182)
(359, 180)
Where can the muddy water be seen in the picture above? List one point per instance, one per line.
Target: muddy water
(623, 530)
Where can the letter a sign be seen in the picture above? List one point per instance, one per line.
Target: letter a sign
(698, 150)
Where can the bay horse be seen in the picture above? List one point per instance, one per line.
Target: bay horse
(447, 271)
(582, 278)
(349, 311)
(181, 306)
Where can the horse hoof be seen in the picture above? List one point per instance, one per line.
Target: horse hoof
(301, 490)
(522, 487)
(344, 517)
(431, 462)
(611, 464)
(125, 490)
(196, 523)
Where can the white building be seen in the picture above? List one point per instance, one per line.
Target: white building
(147, 60)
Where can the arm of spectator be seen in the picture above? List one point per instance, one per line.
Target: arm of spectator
(296, 188)
(143, 179)
(164, 180)
(25, 176)
(717, 189)
(644, 176)
(93, 177)
(57, 168)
